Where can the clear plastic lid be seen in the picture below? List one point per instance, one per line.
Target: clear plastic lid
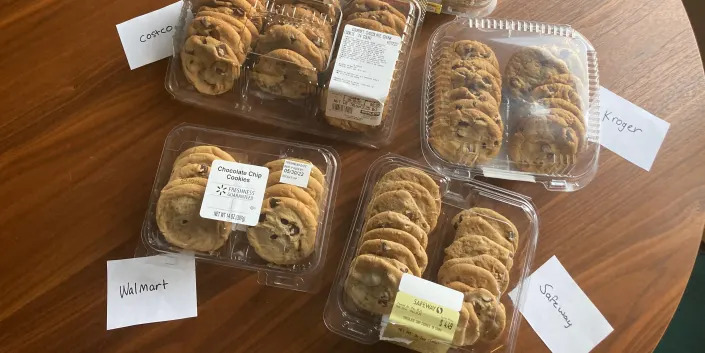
(535, 86)
(282, 77)
(235, 249)
(344, 317)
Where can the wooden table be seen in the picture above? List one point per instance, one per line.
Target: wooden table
(81, 137)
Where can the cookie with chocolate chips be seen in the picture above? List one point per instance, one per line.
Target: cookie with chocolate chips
(286, 232)
(209, 64)
(373, 281)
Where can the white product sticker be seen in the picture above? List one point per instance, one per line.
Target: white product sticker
(148, 38)
(151, 289)
(506, 174)
(559, 311)
(362, 75)
(629, 130)
(234, 192)
(295, 173)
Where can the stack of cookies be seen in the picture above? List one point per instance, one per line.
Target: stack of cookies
(375, 15)
(405, 207)
(288, 224)
(467, 127)
(550, 131)
(477, 263)
(217, 43)
(294, 47)
(179, 204)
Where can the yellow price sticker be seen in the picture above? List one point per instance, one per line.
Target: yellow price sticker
(421, 325)
(434, 7)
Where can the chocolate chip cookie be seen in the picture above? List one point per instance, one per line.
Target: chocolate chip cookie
(285, 73)
(531, 67)
(476, 81)
(289, 37)
(209, 64)
(403, 238)
(394, 220)
(220, 30)
(474, 276)
(372, 5)
(557, 90)
(466, 136)
(479, 226)
(473, 245)
(422, 197)
(179, 220)
(543, 144)
(392, 250)
(293, 192)
(399, 201)
(384, 17)
(286, 232)
(499, 222)
(371, 25)
(490, 312)
(373, 281)
(487, 262)
(417, 176)
(470, 49)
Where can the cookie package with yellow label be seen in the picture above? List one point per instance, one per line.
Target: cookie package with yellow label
(245, 201)
(275, 62)
(471, 237)
(511, 99)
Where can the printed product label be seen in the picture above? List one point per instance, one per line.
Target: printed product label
(234, 192)
(295, 173)
(424, 316)
(362, 75)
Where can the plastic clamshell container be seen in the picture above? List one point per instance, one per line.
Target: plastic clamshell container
(506, 37)
(237, 252)
(343, 317)
(305, 114)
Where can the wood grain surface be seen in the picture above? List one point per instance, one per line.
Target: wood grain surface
(81, 136)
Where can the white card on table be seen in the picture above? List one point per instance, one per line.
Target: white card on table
(148, 38)
(559, 311)
(629, 130)
(151, 289)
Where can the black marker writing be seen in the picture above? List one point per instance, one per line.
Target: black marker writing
(135, 288)
(553, 299)
(155, 33)
(621, 124)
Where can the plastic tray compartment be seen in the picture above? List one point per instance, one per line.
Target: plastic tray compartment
(304, 114)
(344, 318)
(237, 252)
(506, 37)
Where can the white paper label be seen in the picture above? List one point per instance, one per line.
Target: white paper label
(151, 289)
(559, 311)
(362, 75)
(234, 192)
(148, 38)
(295, 173)
(629, 130)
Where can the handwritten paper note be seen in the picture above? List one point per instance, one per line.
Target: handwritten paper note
(151, 289)
(629, 130)
(559, 311)
(148, 38)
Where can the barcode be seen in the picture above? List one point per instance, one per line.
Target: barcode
(342, 108)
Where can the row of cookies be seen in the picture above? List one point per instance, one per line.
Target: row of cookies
(550, 127)
(376, 15)
(179, 203)
(403, 210)
(467, 127)
(218, 40)
(477, 263)
(295, 46)
(288, 224)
